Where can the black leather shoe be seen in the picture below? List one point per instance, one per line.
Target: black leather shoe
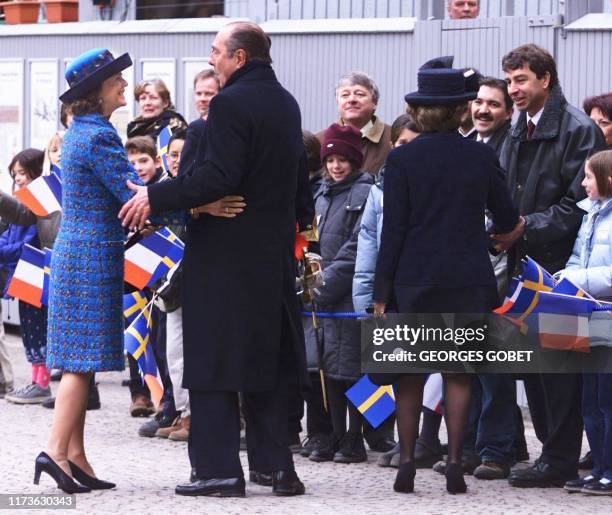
(426, 454)
(287, 482)
(310, 443)
(351, 449)
(601, 487)
(540, 475)
(383, 444)
(586, 462)
(327, 448)
(260, 478)
(85, 479)
(576, 485)
(44, 463)
(223, 487)
(93, 400)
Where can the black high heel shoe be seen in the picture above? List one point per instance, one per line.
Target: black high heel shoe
(404, 480)
(455, 484)
(44, 463)
(85, 479)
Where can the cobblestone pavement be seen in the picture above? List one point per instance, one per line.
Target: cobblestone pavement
(147, 470)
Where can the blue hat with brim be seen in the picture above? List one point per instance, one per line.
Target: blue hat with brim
(440, 86)
(91, 69)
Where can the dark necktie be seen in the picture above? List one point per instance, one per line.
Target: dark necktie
(530, 128)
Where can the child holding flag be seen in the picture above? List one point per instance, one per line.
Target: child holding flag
(590, 268)
(24, 168)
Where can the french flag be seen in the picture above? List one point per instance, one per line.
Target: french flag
(43, 195)
(143, 259)
(28, 280)
(433, 393)
(563, 321)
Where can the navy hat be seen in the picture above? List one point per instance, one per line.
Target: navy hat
(472, 79)
(89, 70)
(439, 62)
(440, 86)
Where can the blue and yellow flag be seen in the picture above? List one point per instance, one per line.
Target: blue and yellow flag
(168, 234)
(162, 146)
(45, 293)
(133, 304)
(136, 341)
(374, 402)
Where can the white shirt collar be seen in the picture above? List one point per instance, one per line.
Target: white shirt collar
(466, 135)
(536, 117)
(483, 140)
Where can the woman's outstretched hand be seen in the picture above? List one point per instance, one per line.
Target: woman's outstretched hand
(227, 207)
(136, 211)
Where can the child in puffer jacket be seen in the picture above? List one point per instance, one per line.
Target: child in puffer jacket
(590, 268)
(339, 205)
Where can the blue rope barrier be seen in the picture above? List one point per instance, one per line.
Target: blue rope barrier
(323, 314)
(603, 308)
(362, 314)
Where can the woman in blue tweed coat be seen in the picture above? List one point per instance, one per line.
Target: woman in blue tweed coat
(85, 330)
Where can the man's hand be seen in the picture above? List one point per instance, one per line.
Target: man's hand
(137, 210)
(227, 207)
(507, 239)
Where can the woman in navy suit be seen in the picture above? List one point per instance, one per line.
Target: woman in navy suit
(433, 255)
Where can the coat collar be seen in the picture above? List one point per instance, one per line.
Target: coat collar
(253, 70)
(602, 206)
(548, 126)
(375, 130)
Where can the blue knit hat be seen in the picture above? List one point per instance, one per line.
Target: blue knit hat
(89, 70)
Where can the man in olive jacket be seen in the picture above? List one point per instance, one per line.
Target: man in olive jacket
(241, 321)
(544, 157)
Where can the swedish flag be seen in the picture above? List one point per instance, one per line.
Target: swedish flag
(162, 146)
(374, 402)
(45, 293)
(133, 304)
(136, 342)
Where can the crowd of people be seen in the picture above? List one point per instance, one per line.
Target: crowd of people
(242, 176)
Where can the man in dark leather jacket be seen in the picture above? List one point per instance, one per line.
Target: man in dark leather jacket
(544, 157)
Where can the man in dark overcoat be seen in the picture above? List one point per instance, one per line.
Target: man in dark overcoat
(544, 157)
(241, 321)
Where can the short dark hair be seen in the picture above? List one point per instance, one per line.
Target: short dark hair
(31, 160)
(87, 104)
(437, 118)
(601, 166)
(312, 145)
(500, 84)
(251, 38)
(602, 102)
(141, 145)
(538, 59)
(206, 74)
(179, 133)
(403, 121)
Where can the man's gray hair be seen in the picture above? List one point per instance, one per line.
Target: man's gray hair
(359, 79)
